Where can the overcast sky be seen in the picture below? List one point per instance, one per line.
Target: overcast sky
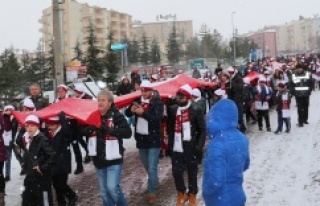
(20, 26)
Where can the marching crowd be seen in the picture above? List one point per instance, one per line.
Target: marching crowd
(175, 127)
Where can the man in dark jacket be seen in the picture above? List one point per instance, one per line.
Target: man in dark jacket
(148, 113)
(237, 95)
(186, 131)
(38, 160)
(124, 87)
(35, 95)
(59, 135)
(106, 148)
(301, 87)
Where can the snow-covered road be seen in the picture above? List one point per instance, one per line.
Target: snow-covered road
(285, 169)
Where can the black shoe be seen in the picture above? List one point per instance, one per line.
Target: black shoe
(7, 179)
(269, 129)
(260, 128)
(277, 132)
(299, 125)
(78, 171)
(305, 122)
(87, 159)
(73, 201)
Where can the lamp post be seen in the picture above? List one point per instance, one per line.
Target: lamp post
(234, 39)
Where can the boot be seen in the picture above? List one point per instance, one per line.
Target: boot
(1, 198)
(72, 200)
(192, 199)
(182, 198)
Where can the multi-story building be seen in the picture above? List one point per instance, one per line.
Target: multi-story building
(161, 31)
(266, 39)
(76, 18)
(299, 36)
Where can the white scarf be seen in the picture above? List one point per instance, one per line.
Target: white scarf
(142, 124)
(185, 129)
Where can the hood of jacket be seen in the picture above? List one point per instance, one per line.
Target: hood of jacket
(222, 116)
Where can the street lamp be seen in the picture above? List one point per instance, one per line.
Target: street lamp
(234, 39)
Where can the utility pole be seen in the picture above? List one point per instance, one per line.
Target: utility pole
(58, 41)
(234, 39)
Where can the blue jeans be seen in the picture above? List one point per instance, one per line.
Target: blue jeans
(8, 161)
(109, 183)
(150, 161)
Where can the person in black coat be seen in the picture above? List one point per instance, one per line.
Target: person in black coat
(106, 148)
(35, 95)
(38, 160)
(237, 93)
(59, 133)
(148, 112)
(124, 87)
(187, 133)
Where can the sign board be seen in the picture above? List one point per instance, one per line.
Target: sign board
(119, 46)
(74, 73)
(199, 63)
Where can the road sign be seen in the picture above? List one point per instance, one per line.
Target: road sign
(119, 46)
(199, 63)
(74, 73)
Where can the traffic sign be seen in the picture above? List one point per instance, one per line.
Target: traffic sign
(199, 63)
(119, 46)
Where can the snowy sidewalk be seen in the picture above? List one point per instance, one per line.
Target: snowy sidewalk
(284, 171)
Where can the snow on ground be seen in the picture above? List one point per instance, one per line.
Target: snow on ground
(285, 168)
(284, 171)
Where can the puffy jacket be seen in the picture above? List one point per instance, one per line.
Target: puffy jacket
(153, 117)
(40, 153)
(236, 89)
(226, 159)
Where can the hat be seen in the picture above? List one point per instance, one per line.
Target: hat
(8, 107)
(79, 89)
(146, 86)
(246, 80)
(262, 80)
(196, 93)
(282, 84)
(28, 104)
(219, 92)
(62, 86)
(123, 78)
(185, 90)
(33, 120)
(53, 120)
(154, 77)
(230, 70)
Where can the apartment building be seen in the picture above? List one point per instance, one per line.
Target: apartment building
(76, 19)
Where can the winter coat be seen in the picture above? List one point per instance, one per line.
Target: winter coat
(301, 84)
(201, 104)
(121, 130)
(39, 102)
(40, 153)
(153, 117)
(196, 74)
(226, 159)
(198, 130)
(236, 89)
(3, 155)
(124, 89)
(61, 145)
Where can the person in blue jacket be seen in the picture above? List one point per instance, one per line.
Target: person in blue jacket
(226, 159)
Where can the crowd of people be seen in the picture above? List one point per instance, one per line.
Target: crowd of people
(175, 127)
